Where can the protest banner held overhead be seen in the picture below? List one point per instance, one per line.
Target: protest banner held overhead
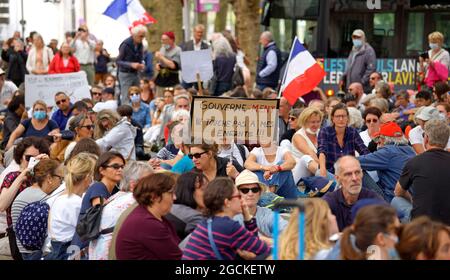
(196, 62)
(252, 121)
(44, 87)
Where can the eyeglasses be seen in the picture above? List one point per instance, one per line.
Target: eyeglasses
(61, 101)
(253, 190)
(96, 93)
(28, 157)
(81, 30)
(236, 196)
(196, 155)
(115, 166)
(371, 120)
(61, 178)
(292, 118)
(91, 126)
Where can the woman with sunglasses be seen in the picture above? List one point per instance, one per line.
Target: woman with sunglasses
(372, 118)
(65, 208)
(83, 128)
(220, 237)
(251, 190)
(39, 125)
(286, 138)
(188, 206)
(108, 173)
(141, 111)
(146, 234)
(15, 178)
(209, 164)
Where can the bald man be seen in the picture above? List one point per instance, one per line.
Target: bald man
(269, 64)
(356, 89)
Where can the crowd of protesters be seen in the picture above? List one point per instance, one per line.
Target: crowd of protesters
(371, 167)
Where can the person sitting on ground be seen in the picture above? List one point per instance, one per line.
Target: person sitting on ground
(146, 234)
(349, 176)
(424, 239)
(251, 191)
(118, 203)
(229, 238)
(108, 101)
(320, 225)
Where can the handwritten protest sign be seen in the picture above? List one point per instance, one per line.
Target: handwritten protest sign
(193, 62)
(250, 121)
(44, 87)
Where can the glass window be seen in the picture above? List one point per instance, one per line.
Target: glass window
(384, 24)
(282, 32)
(415, 35)
(442, 25)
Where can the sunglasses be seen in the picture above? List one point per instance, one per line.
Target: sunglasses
(115, 166)
(292, 118)
(96, 93)
(371, 121)
(253, 190)
(196, 155)
(88, 126)
(61, 101)
(28, 157)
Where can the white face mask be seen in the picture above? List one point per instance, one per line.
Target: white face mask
(309, 131)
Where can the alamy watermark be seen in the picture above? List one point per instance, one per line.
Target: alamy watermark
(374, 4)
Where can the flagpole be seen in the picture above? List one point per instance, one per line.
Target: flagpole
(287, 67)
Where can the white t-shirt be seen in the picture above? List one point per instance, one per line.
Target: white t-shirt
(261, 158)
(365, 137)
(6, 93)
(416, 136)
(110, 104)
(64, 217)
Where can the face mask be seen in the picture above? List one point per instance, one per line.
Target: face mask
(393, 255)
(309, 131)
(357, 43)
(442, 116)
(434, 46)
(39, 115)
(166, 47)
(135, 98)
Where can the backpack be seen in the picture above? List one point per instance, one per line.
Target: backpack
(31, 226)
(237, 79)
(88, 227)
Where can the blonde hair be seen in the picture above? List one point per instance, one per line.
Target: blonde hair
(113, 116)
(316, 232)
(78, 168)
(307, 114)
(436, 36)
(380, 103)
(40, 102)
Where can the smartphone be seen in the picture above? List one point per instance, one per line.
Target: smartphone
(32, 163)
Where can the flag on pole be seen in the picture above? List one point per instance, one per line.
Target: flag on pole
(302, 74)
(129, 12)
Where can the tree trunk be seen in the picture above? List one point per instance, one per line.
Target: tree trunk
(169, 15)
(221, 17)
(248, 29)
(202, 18)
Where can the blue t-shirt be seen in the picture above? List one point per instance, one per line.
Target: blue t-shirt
(98, 189)
(184, 165)
(31, 131)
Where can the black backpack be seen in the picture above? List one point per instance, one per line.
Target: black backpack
(88, 227)
(237, 79)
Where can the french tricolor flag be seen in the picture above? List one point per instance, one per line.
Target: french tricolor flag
(129, 12)
(302, 74)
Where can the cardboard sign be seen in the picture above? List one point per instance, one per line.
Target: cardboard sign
(44, 87)
(250, 121)
(193, 62)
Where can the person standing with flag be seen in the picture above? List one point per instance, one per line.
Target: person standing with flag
(129, 61)
(269, 64)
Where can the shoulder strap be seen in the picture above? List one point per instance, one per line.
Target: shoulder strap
(211, 240)
(242, 151)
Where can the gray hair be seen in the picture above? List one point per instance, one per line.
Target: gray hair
(380, 103)
(356, 119)
(337, 164)
(384, 88)
(181, 96)
(132, 172)
(139, 28)
(268, 35)
(399, 141)
(221, 47)
(438, 133)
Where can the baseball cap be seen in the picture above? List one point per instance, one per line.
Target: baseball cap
(390, 129)
(248, 177)
(427, 113)
(359, 33)
(108, 90)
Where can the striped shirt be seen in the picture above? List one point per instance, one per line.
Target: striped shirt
(229, 236)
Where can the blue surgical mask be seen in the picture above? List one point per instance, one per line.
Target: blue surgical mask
(357, 43)
(393, 255)
(166, 47)
(135, 98)
(434, 46)
(39, 115)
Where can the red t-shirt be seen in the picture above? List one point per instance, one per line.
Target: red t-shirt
(7, 182)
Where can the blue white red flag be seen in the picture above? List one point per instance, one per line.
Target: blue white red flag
(302, 74)
(129, 12)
